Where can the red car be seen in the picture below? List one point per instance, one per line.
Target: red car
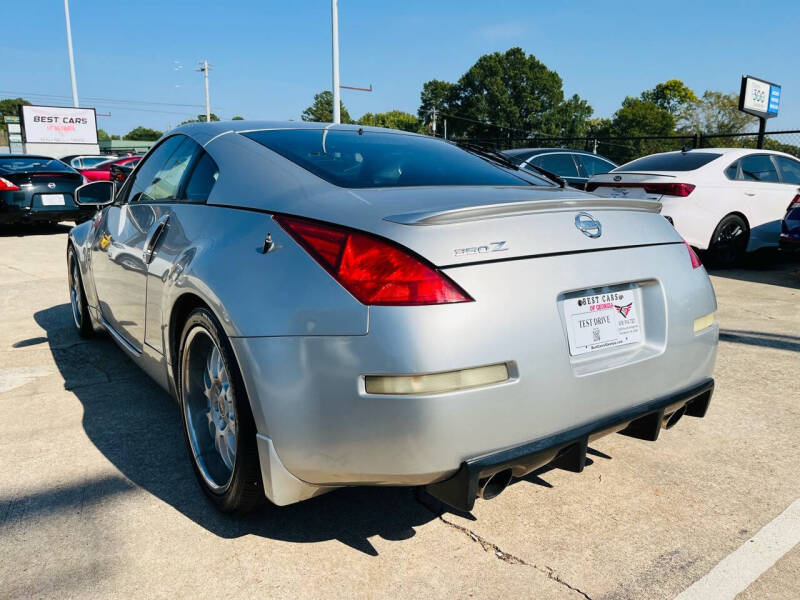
(103, 170)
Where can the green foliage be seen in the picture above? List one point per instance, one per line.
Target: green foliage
(102, 135)
(717, 112)
(393, 119)
(237, 118)
(201, 118)
(509, 89)
(322, 109)
(144, 134)
(10, 106)
(435, 94)
(675, 97)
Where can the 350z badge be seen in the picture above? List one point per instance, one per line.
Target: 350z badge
(481, 249)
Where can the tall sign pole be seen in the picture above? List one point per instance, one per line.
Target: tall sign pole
(71, 57)
(337, 117)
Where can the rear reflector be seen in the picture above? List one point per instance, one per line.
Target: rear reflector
(703, 322)
(693, 256)
(795, 203)
(374, 270)
(7, 186)
(436, 383)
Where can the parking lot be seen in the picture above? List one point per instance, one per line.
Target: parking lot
(98, 499)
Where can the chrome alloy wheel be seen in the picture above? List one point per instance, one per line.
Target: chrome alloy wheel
(75, 296)
(209, 409)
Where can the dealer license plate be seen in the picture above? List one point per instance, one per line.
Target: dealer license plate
(599, 321)
(52, 199)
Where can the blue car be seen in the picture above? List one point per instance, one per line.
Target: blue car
(790, 228)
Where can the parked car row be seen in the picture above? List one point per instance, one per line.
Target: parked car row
(725, 201)
(42, 189)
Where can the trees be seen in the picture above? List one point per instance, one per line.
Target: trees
(393, 119)
(201, 118)
(10, 106)
(102, 135)
(507, 89)
(322, 109)
(144, 134)
(717, 112)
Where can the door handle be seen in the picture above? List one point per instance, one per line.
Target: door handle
(152, 239)
(749, 193)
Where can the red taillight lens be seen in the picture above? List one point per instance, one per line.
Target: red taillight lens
(7, 186)
(669, 189)
(373, 270)
(693, 256)
(795, 203)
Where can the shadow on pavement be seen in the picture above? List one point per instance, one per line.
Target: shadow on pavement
(766, 266)
(761, 338)
(137, 426)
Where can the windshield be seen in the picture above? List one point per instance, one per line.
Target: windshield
(364, 159)
(674, 161)
(32, 164)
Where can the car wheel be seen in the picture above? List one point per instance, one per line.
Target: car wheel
(729, 242)
(218, 423)
(77, 297)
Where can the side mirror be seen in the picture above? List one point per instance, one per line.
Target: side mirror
(96, 193)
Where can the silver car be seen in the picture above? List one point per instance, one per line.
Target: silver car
(340, 305)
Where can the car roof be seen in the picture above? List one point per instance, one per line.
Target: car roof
(728, 152)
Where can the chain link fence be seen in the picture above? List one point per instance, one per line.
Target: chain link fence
(624, 149)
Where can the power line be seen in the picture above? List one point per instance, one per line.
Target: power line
(97, 99)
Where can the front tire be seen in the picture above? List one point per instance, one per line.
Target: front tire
(729, 242)
(77, 297)
(218, 424)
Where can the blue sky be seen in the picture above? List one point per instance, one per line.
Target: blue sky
(269, 58)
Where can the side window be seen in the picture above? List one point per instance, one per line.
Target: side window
(758, 167)
(159, 178)
(594, 165)
(560, 164)
(789, 168)
(201, 179)
(732, 170)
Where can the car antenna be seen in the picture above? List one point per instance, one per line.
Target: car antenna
(686, 148)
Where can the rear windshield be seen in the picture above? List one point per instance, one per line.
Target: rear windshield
(32, 164)
(678, 161)
(368, 159)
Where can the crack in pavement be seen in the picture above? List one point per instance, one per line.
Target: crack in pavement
(488, 546)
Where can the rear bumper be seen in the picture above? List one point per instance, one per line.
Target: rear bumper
(567, 449)
(790, 242)
(12, 214)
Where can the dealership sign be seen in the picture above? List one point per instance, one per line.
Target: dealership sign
(759, 98)
(59, 125)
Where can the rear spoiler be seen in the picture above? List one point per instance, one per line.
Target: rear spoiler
(508, 209)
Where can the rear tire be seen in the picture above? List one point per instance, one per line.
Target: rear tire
(77, 296)
(217, 421)
(729, 242)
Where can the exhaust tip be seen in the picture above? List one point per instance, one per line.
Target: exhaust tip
(494, 485)
(671, 419)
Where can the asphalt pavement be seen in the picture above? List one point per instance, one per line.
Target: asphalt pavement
(98, 499)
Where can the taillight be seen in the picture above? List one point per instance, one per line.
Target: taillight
(693, 256)
(374, 270)
(795, 203)
(669, 189)
(7, 186)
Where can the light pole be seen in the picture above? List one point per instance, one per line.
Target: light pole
(71, 57)
(337, 117)
(204, 67)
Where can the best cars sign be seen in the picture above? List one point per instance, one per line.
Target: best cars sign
(59, 125)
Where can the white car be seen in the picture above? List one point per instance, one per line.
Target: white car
(725, 200)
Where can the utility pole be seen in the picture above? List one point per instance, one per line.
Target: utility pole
(337, 117)
(71, 57)
(205, 67)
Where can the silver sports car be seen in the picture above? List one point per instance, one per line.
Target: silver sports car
(337, 306)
